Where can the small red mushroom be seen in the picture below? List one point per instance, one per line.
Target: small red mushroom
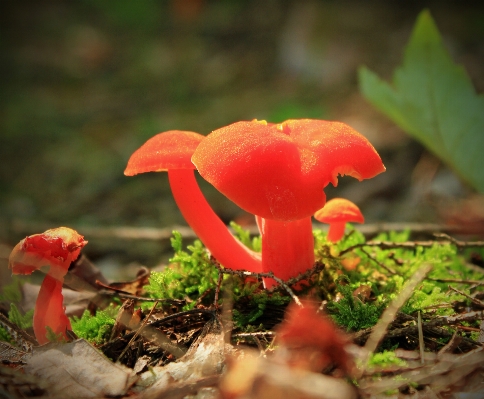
(337, 212)
(278, 172)
(171, 151)
(55, 249)
(312, 340)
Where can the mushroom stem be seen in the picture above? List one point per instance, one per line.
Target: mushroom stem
(287, 247)
(49, 310)
(214, 234)
(336, 231)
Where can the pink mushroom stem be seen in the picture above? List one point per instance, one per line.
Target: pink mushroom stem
(49, 310)
(214, 234)
(287, 247)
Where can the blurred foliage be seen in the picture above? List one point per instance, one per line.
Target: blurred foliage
(434, 100)
(85, 83)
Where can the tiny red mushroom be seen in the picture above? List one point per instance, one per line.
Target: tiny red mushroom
(278, 172)
(312, 339)
(337, 212)
(171, 151)
(55, 249)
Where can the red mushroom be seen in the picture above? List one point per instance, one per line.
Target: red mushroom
(312, 340)
(56, 249)
(278, 172)
(171, 151)
(337, 212)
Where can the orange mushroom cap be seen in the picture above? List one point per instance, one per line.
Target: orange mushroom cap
(339, 210)
(168, 150)
(279, 171)
(55, 247)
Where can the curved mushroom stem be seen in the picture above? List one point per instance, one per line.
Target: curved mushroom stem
(49, 310)
(336, 231)
(207, 225)
(287, 247)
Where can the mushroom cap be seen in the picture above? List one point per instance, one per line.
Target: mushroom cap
(55, 247)
(279, 171)
(168, 150)
(339, 210)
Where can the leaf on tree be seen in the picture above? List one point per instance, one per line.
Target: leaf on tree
(433, 100)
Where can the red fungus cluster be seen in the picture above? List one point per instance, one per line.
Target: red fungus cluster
(54, 249)
(275, 171)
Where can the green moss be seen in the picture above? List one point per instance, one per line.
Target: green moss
(12, 292)
(251, 302)
(4, 335)
(352, 313)
(22, 320)
(385, 359)
(189, 275)
(254, 243)
(95, 328)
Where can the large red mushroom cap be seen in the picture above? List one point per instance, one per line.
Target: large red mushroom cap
(337, 212)
(279, 171)
(168, 150)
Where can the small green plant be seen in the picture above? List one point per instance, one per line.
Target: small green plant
(251, 302)
(12, 292)
(352, 313)
(4, 335)
(254, 243)
(189, 275)
(386, 359)
(22, 320)
(95, 328)
(433, 100)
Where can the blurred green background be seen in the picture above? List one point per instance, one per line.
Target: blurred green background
(85, 83)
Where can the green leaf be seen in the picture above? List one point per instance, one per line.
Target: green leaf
(434, 101)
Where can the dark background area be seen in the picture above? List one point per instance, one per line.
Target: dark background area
(85, 83)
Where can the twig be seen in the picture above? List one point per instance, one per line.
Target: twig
(138, 332)
(217, 289)
(389, 314)
(388, 269)
(253, 334)
(140, 298)
(474, 300)
(421, 343)
(414, 244)
(244, 273)
(454, 280)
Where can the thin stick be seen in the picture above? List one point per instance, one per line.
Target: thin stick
(414, 244)
(138, 332)
(474, 300)
(420, 337)
(454, 280)
(140, 298)
(217, 289)
(243, 273)
(389, 314)
(389, 270)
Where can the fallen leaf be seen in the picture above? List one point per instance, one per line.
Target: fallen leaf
(79, 370)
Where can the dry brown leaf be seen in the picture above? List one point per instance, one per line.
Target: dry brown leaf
(77, 369)
(254, 377)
